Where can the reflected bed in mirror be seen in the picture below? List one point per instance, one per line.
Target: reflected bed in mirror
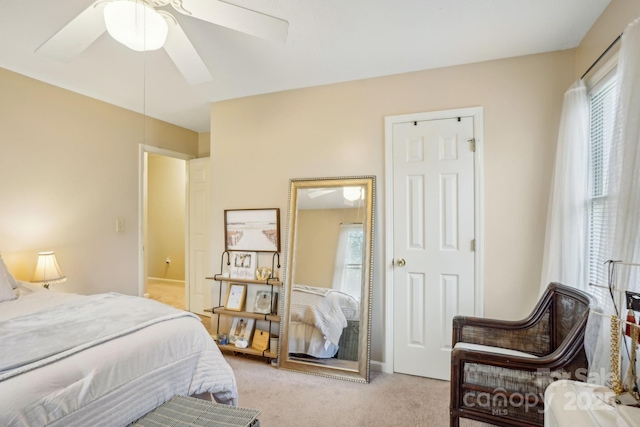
(325, 328)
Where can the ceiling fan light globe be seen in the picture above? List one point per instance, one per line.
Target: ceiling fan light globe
(352, 193)
(135, 25)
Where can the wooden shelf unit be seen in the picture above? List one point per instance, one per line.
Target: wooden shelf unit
(221, 278)
(248, 350)
(221, 311)
(249, 314)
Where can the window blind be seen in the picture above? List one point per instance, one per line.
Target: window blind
(603, 100)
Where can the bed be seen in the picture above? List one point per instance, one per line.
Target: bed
(52, 375)
(319, 317)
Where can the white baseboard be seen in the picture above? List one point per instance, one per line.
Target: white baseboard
(381, 367)
(377, 366)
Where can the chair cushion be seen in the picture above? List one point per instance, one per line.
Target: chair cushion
(496, 350)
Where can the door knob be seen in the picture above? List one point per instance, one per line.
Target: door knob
(401, 262)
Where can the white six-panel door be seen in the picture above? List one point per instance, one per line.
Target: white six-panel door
(433, 234)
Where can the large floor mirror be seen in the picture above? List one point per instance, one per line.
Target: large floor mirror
(325, 327)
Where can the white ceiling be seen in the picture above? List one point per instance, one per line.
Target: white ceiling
(329, 41)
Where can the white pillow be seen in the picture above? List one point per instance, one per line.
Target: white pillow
(10, 278)
(6, 291)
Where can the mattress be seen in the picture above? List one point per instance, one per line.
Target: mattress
(114, 382)
(318, 318)
(307, 339)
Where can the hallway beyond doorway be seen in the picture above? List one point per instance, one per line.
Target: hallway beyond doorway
(168, 292)
(172, 293)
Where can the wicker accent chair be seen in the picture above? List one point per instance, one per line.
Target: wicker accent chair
(500, 369)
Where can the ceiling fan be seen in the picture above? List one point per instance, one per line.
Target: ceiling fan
(69, 42)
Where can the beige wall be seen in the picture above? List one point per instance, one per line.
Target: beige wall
(317, 234)
(609, 25)
(69, 164)
(338, 130)
(69, 167)
(166, 218)
(204, 144)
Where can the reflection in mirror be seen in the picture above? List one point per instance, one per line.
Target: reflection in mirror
(325, 329)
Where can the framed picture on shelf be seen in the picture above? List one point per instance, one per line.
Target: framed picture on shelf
(241, 327)
(236, 294)
(243, 265)
(252, 230)
(262, 303)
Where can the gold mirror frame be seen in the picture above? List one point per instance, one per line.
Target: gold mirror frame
(360, 371)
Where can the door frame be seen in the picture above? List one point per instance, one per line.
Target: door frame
(477, 114)
(142, 224)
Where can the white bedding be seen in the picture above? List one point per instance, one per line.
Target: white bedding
(115, 382)
(318, 317)
(307, 339)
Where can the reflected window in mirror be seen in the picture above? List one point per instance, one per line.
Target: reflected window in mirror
(347, 272)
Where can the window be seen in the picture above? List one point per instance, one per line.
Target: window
(347, 276)
(602, 99)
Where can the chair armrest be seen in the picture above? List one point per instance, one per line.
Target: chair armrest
(558, 359)
(460, 321)
(461, 356)
(530, 335)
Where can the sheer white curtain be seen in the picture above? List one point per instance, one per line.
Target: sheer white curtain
(347, 272)
(564, 258)
(622, 241)
(624, 179)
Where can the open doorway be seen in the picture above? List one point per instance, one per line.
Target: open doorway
(164, 217)
(166, 225)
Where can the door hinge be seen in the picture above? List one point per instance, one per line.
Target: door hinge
(473, 245)
(472, 141)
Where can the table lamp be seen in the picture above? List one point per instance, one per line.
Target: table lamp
(47, 271)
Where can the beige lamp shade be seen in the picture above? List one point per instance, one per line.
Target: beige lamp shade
(47, 271)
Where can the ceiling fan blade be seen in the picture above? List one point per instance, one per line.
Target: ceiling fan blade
(235, 17)
(77, 35)
(183, 54)
(318, 192)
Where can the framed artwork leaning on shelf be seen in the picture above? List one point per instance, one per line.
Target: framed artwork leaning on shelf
(241, 327)
(236, 294)
(262, 303)
(243, 265)
(265, 302)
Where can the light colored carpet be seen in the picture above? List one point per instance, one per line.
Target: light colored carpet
(288, 398)
(171, 293)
